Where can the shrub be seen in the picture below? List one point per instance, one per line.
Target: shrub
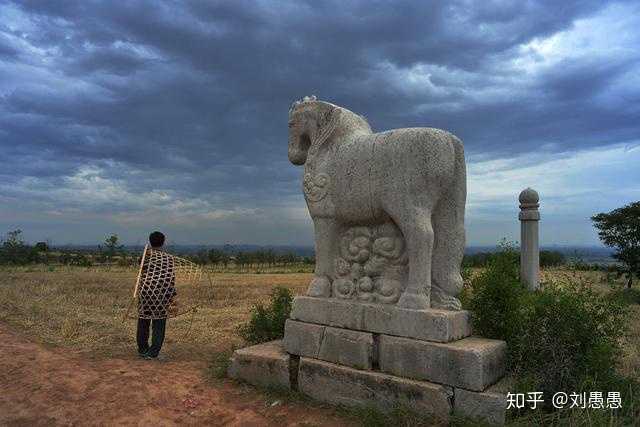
(14, 251)
(126, 261)
(466, 274)
(81, 260)
(495, 296)
(267, 323)
(563, 337)
(626, 296)
(552, 259)
(219, 365)
(476, 260)
(41, 247)
(482, 259)
(569, 339)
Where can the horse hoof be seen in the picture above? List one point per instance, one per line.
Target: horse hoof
(413, 301)
(320, 287)
(445, 302)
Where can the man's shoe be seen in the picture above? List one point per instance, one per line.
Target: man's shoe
(148, 356)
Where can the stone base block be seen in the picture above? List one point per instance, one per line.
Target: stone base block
(471, 363)
(429, 325)
(342, 346)
(265, 365)
(488, 407)
(341, 385)
(303, 339)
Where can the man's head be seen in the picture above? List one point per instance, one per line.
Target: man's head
(156, 239)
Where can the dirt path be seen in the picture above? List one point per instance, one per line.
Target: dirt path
(43, 386)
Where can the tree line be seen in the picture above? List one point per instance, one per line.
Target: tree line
(15, 251)
(482, 259)
(259, 258)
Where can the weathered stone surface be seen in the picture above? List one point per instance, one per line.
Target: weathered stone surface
(349, 348)
(471, 363)
(303, 339)
(336, 384)
(388, 207)
(342, 346)
(489, 407)
(263, 364)
(428, 325)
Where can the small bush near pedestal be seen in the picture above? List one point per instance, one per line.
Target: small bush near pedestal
(267, 323)
(495, 297)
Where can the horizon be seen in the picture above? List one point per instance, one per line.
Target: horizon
(110, 124)
(267, 246)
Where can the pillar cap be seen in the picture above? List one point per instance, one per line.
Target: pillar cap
(529, 196)
(529, 205)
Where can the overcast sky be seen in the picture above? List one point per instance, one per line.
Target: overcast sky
(125, 117)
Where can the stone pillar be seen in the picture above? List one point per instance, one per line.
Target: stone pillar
(529, 250)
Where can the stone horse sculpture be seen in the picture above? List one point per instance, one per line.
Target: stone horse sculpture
(412, 179)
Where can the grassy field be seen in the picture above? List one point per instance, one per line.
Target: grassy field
(82, 309)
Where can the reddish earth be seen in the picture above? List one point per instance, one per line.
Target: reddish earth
(43, 386)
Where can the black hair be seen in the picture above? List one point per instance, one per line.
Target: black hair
(156, 239)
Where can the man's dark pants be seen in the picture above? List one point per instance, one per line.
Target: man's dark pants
(157, 336)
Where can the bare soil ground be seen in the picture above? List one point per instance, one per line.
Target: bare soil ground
(54, 386)
(66, 357)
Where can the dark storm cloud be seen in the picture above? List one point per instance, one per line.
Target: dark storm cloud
(7, 52)
(191, 98)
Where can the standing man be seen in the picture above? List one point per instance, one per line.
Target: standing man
(156, 295)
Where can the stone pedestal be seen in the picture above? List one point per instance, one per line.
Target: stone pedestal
(427, 325)
(382, 355)
(265, 365)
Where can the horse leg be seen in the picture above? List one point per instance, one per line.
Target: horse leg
(415, 224)
(325, 237)
(448, 225)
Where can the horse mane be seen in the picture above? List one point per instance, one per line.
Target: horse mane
(356, 120)
(348, 117)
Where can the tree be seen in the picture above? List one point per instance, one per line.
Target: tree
(42, 247)
(112, 246)
(14, 239)
(552, 259)
(620, 229)
(15, 251)
(216, 256)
